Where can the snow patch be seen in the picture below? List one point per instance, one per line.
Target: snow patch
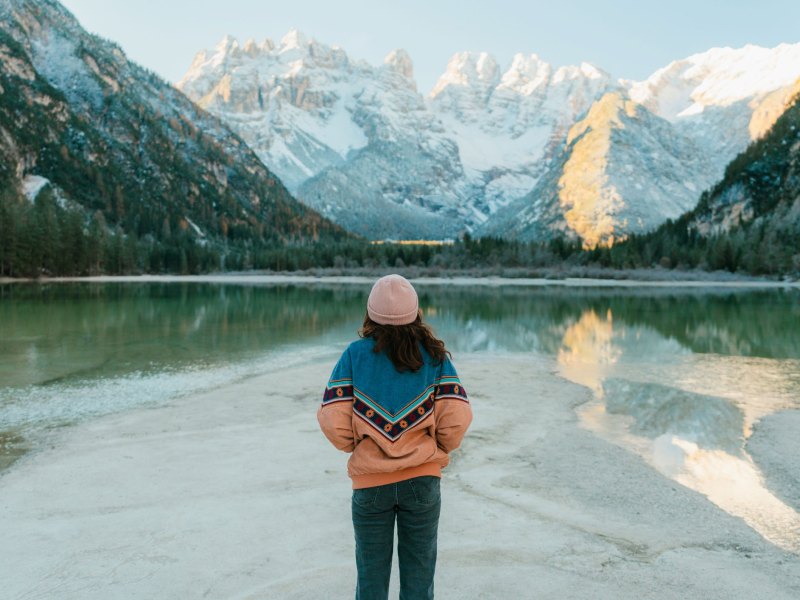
(32, 185)
(197, 230)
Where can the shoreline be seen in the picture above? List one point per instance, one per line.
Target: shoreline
(486, 281)
(217, 493)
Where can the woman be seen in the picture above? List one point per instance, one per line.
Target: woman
(395, 402)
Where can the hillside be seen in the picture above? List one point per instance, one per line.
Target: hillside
(749, 221)
(491, 150)
(100, 138)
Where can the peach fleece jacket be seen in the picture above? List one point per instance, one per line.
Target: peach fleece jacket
(396, 425)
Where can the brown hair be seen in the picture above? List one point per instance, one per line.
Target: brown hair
(402, 342)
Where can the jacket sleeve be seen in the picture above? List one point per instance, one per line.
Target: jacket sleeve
(335, 414)
(452, 410)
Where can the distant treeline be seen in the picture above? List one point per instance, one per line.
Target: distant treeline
(44, 238)
(754, 248)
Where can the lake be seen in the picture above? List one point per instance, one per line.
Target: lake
(679, 376)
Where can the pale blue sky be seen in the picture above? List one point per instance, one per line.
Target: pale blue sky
(629, 39)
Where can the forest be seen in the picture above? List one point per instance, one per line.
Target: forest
(45, 238)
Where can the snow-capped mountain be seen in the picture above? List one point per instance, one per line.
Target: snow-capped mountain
(291, 102)
(360, 144)
(355, 141)
(622, 169)
(762, 185)
(110, 138)
(507, 125)
(525, 151)
(716, 97)
(644, 155)
(406, 181)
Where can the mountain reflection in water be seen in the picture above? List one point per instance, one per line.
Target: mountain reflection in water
(679, 376)
(662, 410)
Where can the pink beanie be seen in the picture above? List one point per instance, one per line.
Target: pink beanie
(393, 301)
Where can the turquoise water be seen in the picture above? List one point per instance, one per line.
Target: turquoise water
(59, 340)
(680, 377)
(71, 351)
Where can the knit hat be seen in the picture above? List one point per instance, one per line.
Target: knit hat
(393, 301)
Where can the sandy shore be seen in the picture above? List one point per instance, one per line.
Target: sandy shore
(234, 493)
(708, 281)
(775, 447)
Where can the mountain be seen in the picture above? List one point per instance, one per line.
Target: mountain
(507, 125)
(643, 155)
(107, 137)
(622, 169)
(759, 195)
(716, 96)
(355, 142)
(530, 151)
(748, 221)
(364, 147)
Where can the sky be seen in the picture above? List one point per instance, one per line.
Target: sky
(629, 39)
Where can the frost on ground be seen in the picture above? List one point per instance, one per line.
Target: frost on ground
(235, 493)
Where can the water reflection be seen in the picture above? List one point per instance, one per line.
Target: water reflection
(56, 332)
(586, 351)
(62, 333)
(678, 376)
(695, 438)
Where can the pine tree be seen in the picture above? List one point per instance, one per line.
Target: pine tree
(8, 237)
(96, 243)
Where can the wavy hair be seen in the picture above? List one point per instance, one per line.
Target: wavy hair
(402, 342)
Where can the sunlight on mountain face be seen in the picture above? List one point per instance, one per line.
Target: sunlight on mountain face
(766, 110)
(694, 438)
(588, 200)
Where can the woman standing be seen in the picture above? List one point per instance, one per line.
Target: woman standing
(395, 402)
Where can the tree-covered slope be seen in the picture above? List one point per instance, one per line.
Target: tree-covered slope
(98, 135)
(748, 221)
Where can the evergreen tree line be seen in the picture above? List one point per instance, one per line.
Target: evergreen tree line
(46, 238)
(759, 247)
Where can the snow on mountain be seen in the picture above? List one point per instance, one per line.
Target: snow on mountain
(507, 124)
(113, 140)
(358, 142)
(762, 185)
(291, 102)
(489, 148)
(718, 77)
(622, 169)
(644, 154)
(712, 96)
(353, 140)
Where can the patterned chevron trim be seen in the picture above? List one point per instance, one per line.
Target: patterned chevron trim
(338, 390)
(387, 414)
(450, 388)
(392, 427)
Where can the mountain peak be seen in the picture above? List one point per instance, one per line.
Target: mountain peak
(400, 61)
(293, 39)
(469, 69)
(526, 73)
(718, 77)
(604, 115)
(226, 44)
(250, 47)
(591, 71)
(523, 62)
